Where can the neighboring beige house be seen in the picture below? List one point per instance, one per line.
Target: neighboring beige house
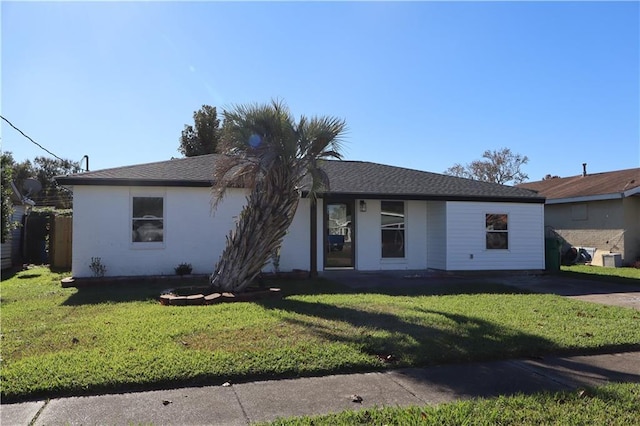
(599, 210)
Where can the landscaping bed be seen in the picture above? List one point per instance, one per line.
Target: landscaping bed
(183, 296)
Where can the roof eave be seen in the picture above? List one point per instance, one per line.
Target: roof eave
(428, 197)
(80, 181)
(632, 192)
(585, 198)
(75, 181)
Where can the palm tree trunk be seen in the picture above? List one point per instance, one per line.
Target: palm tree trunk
(262, 225)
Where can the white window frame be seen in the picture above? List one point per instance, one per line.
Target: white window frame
(497, 231)
(147, 194)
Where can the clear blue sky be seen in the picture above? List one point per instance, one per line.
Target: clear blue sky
(421, 85)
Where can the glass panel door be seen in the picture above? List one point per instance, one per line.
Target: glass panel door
(339, 242)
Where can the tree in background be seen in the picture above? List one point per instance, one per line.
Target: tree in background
(201, 138)
(265, 151)
(53, 194)
(7, 207)
(44, 169)
(501, 167)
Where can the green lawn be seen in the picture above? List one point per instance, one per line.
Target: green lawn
(599, 272)
(614, 404)
(58, 341)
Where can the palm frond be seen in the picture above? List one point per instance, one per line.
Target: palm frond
(264, 150)
(232, 171)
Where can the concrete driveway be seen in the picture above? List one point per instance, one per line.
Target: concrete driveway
(596, 291)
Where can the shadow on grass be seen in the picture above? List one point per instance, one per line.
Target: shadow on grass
(445, 289)
(120, 293)
(135, 291)
(417, 338)
(28, 276)
(396, 286)
(9, 273)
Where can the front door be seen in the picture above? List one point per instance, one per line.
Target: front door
(339, 232)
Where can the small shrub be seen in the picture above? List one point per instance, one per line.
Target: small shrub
(97, 267)
(183, 269)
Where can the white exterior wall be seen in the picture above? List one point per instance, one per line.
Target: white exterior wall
(369, 238)
(295, 250)
(416, 234)
(192, 233)
(466, 236)
(437, 235)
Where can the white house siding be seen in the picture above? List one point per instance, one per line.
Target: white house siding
(369, 238)
(192, 234)
(416, 234)
(295, 250)
(437, 235)
(466, 238)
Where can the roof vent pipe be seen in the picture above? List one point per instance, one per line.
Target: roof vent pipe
(584, 169)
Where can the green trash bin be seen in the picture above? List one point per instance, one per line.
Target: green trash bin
(552, 254)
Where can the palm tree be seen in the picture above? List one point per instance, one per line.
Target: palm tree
(264, 150)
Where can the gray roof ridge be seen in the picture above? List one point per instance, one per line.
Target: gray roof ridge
(131, 166)
(427, 172)
(401, 167)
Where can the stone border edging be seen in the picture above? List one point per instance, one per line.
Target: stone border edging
(169, 297)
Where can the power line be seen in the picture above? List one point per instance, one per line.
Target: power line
(23, 134)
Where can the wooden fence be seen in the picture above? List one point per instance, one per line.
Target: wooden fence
(60, 242)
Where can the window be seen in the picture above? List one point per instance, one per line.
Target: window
(497, 231)
(392, 224)
(147, 219)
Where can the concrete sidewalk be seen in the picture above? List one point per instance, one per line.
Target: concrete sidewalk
(241, 404)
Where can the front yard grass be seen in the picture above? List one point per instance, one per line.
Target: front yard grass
(627, 274)
(61, 341)
(613, 404)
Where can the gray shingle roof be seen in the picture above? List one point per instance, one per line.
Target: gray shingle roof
(348, 178)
